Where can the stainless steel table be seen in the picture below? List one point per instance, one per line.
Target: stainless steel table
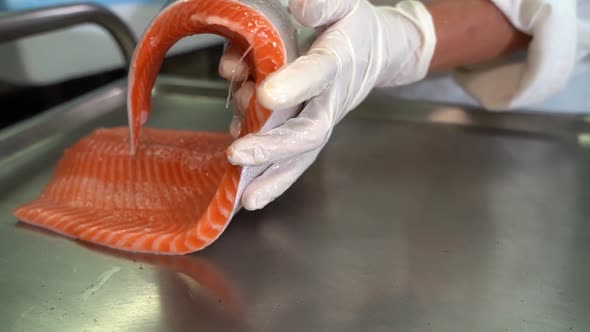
(416, 217)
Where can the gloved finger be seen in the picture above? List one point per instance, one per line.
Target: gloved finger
(299, 135)
(235, 126)
(241, 100)
(231, 66)
(303, 79)
(315, 13)
(276, 180)
(243, 95)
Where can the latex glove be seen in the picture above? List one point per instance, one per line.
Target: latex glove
(361, 47)
(233, 68)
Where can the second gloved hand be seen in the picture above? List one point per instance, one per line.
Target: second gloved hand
(361, 46)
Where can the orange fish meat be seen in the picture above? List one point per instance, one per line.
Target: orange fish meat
(166, 191)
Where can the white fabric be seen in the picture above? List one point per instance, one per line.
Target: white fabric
(552, 76)
(549, 64)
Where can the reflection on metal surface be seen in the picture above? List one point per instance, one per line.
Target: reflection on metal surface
(193, 285)
(544, 124)
(584, 139)
(402, 224)
(450, 115)
(68, 294)
(193, 270)
(102, 279)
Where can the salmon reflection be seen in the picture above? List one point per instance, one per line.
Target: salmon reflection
(193, 268)
(189, 273)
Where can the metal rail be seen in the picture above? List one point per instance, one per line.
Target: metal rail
(41, 20)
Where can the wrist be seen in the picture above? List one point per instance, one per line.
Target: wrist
(472, 32)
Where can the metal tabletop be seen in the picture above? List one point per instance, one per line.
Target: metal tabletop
(415, 217)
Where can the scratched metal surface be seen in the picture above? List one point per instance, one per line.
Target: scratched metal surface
(402, 224)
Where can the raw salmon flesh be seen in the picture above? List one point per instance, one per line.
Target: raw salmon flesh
(165, 191)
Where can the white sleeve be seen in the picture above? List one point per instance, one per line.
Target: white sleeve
(560, 40)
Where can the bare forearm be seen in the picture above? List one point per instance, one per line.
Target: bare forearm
(470, 32)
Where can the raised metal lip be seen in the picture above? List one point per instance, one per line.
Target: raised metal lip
(31, 22)
(90, 106)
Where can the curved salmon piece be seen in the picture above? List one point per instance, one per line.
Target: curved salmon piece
(163, 191)
(237, 21)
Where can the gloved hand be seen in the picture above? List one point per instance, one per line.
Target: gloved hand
(360, 47)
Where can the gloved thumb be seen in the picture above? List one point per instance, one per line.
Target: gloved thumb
(303, 79)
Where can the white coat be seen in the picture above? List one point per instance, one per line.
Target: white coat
(552, 76)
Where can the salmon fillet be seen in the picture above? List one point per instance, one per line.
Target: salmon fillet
(165, 191)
